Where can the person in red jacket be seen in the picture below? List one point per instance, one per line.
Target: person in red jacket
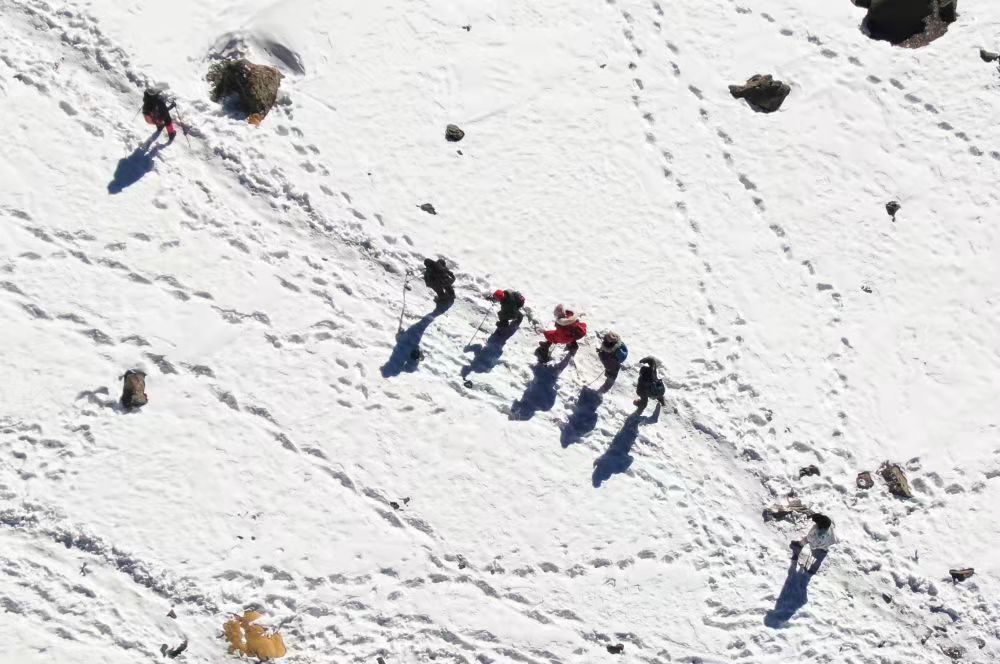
(568, 331)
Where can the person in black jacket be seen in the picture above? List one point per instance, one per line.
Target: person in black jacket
(439, 279)
(510, 307)
(156, 111)
(650, 385)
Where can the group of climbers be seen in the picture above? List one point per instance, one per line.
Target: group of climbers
(567, 331)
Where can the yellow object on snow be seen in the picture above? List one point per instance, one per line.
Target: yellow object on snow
(252, 640)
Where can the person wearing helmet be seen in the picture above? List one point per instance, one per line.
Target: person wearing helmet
(510, 307)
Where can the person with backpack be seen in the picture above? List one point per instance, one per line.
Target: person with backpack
(439, 279)
(156, 111)
(510, 307)
(568, 331)
(650, 385)
(819, 539)
(612, 353)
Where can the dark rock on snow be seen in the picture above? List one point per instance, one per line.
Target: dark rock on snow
(961, 574)
(616, 649)
(954, 652)
(428, 208)
(255, 87)
(762, 92)
(988, 56)
(807, 471)
(134, 389)
(174, 653)
(893, 475)
(454, 133)
(865, 480)
(891, 208)
(911, 23)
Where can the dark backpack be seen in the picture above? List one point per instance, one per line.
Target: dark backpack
(515, 298)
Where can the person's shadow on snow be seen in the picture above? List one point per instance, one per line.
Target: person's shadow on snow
(540, 394)
(617, 459)
(794, 595)
(487, 355)
(134, 167)
(583, 419)
(406, 354)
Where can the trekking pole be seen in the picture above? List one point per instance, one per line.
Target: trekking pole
(479, 329)
(402, 313)
(184, 126)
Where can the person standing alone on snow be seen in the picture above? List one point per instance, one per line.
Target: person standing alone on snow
(568, 331)
(510, 307)
(650, 385)
(156, 111)
(439, 279)
(612, 354)
(819, 539)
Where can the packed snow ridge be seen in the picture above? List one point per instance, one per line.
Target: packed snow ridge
(313, 458)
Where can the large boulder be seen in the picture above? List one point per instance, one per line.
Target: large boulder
(254, 87)
(898, 20)
(762, 92)
(910, 23)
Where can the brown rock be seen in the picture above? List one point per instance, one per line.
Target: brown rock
(865, 480)
(255, 87)
(893, 475)
(134, 389)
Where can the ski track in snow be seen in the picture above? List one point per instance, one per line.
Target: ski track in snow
(333, 299)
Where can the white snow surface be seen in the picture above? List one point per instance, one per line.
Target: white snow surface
(290, 459)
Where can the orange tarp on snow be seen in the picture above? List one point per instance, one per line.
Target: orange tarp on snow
(247, 638)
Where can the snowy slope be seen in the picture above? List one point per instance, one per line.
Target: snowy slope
(290, 458)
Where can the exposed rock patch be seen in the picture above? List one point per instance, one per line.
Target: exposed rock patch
(762, 93)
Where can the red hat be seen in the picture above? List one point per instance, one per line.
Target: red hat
(498, 294)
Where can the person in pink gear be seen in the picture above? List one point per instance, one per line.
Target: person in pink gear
(156, 111)
(568, 331)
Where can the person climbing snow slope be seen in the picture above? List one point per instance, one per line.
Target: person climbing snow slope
(612, 353)
(439, 279)
(510, 307)
(568, 331)
(819, 539)
(650, 385)
(156, 111)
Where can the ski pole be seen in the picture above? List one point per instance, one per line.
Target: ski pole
(403, 312)
(184, 126)
(478, 329)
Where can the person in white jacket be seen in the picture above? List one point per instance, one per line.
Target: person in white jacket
(819, 539)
